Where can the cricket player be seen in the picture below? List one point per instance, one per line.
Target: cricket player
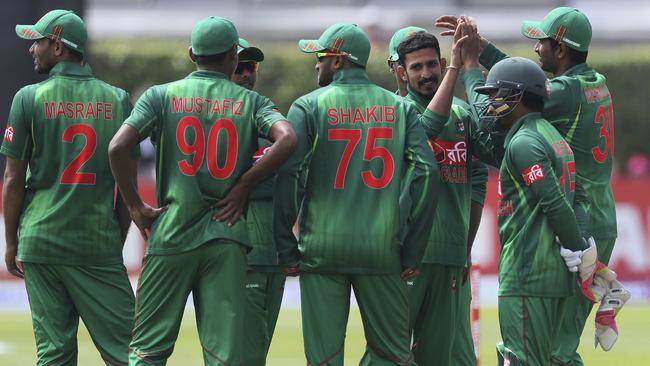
(393, 57)
(205, 130)
(580, 107)
(370, 176)
(440, 296)
(264, 279)
(61, 221)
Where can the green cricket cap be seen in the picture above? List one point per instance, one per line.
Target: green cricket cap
(568, 25)
(344, 38)
(213, 35)
(248, 53)
(398, 38)
(63, 25)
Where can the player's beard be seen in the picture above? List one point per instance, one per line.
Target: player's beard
(428, 87)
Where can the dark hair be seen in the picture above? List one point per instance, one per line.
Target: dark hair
(74, 55)
(210, 59)
(533, 102)
(576, 57)
(415, 42)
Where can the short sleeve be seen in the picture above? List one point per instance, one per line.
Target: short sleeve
(266, 114)
(144, 117)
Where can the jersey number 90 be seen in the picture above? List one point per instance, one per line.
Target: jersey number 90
(197, 149)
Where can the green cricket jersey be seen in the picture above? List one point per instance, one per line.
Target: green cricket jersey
(580, 107)
(371, 174)
(205, 131)
(535, 195)
(63, 126)
(462, 180)
(260, 218)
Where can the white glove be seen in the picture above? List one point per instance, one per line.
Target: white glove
(571, 258)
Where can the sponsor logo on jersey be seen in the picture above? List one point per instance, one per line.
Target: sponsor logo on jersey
(504, 208)
(9, 133)
(532, 174)
(449, 152)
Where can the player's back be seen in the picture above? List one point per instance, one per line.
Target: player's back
(205, 130)
(350, 215)
(587, 123)
(69, 213)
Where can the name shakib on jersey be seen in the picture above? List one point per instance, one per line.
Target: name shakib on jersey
(78, 110)
(205, 105)
(363, 115)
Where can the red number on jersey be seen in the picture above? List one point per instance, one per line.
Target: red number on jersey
(370, 152)
(606, 132)
(352, 137)
(380, 152)
(71, 173)
(197, 149)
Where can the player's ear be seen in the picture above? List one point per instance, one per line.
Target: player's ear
(443, 63)
(390, 66)
(562, 50)
(191, 54)
(401, 73)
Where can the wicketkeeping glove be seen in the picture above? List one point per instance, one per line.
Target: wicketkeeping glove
(615, 296)
(587, 268)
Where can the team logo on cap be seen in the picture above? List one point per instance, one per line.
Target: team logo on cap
(338, 43)
(9, 133)
(56, 31)
(311, 46)
(533, 32)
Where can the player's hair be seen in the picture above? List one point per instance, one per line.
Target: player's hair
(74, 55)
(576, 57)
(210, 59)
(533, 102)
(415, 42)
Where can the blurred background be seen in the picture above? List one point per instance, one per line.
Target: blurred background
(138, 43)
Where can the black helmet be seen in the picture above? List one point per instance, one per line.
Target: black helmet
(508, 80)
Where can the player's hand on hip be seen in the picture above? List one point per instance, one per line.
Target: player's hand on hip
(409, 273)
(13, 265)
(144, 216)
(231, 207)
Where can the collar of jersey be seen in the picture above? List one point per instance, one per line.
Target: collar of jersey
(576, 69)
(208, 74)
(353, 75)
(533, 116)
(71, 68)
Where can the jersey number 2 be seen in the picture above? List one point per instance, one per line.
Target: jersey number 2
(369, 152)
(197, 149)
(606, 117)
(71, 174)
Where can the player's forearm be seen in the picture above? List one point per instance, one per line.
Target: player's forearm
(284, 144)
(123, 217)
(491, 55)
(121, 165)
(13, 195)
(560, 215)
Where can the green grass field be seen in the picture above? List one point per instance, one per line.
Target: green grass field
(633, 348)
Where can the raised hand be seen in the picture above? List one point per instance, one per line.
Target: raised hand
(449, 22)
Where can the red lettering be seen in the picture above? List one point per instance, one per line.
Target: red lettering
(237, 107)
(108, 111)
(371, 114)
(69, 110)
(389, 114)
(358, 116)
(345, 115)
(90, 111)
(50, 110)
(215, 108)
(226, 104)
(78, 110)
(177, 105)
(60, 110)
(332, 116)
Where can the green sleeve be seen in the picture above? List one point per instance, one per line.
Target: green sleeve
(474, 78)
(560, 105)
(266, 115)
(490, 56)
(433, 123)
(524, 153)
(479, 181)
(419, 196)
(145, 115)
(288, 192)
(17, 143)
(580, 204)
